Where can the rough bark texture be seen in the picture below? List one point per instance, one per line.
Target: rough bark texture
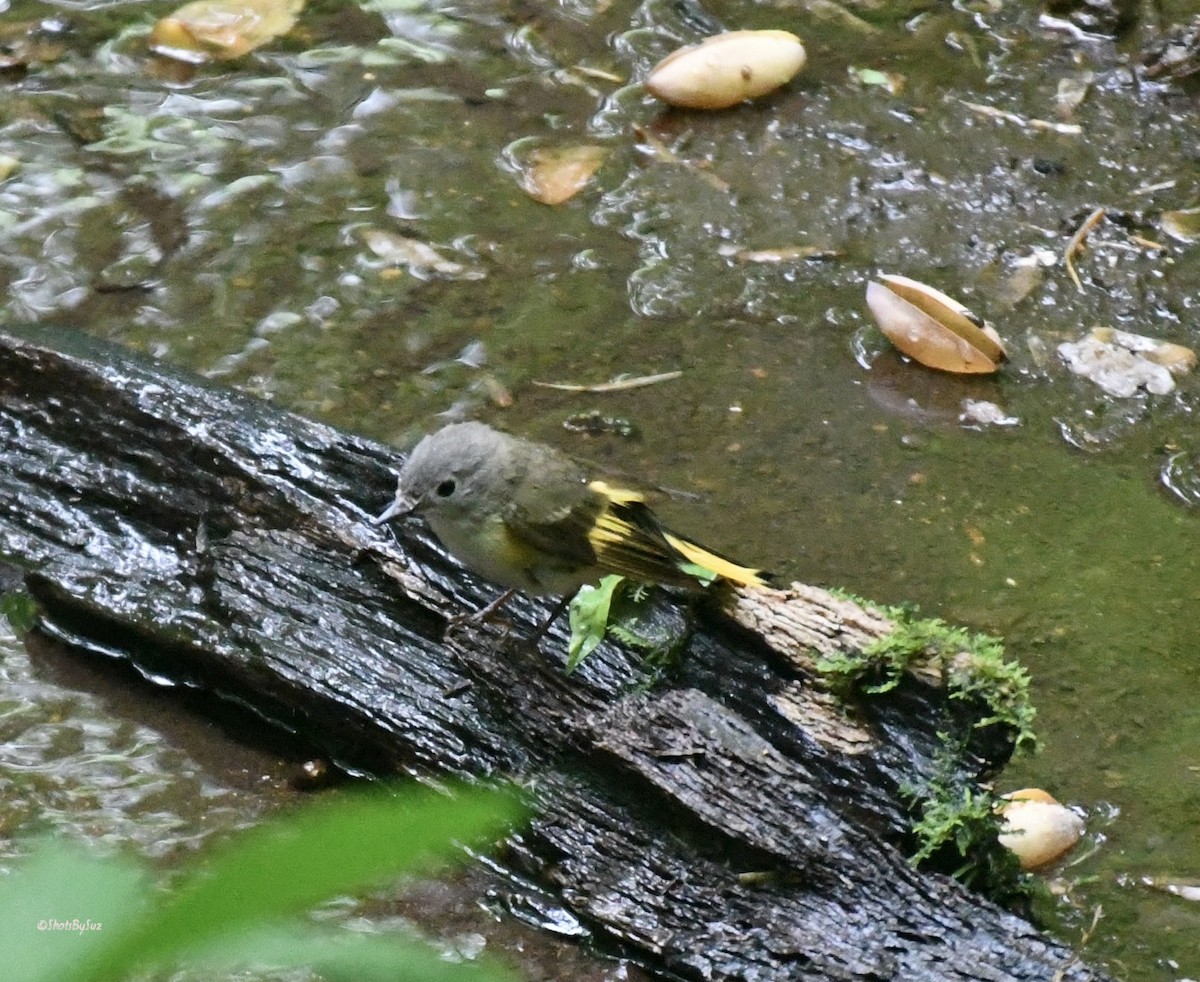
(733, 821)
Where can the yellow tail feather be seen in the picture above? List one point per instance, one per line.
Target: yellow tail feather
(628, 539)
(724, 568)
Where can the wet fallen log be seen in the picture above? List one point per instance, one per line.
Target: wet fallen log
(729, 819)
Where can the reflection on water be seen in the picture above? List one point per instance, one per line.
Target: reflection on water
(79, 761)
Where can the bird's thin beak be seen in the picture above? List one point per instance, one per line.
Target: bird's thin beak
(401, 506)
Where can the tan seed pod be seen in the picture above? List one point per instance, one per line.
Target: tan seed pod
(726, 69)
(1037, 828)
(932, 328)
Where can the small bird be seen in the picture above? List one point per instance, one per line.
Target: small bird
(526, 517)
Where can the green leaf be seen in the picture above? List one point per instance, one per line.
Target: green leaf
(702, 573)
(62, 905)
(871, 76)
(589, 619)
(335, 846)
(893, 82)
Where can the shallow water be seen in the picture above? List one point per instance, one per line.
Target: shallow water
(224, 222)
(95, 753)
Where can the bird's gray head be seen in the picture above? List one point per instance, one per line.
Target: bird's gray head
(457, 469)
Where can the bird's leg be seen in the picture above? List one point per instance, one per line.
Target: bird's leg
(555, 613)
(484, 613)
(489, 611)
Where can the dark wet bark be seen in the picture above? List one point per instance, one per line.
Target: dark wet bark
(733, 821)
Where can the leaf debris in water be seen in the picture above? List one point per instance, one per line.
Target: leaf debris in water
(618, 384)
(1067, 129)
(210, 30)
(1077, 241)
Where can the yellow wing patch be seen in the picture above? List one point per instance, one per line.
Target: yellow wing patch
(617, 496)
(629, 540)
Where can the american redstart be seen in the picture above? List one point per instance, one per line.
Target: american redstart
(526, 516)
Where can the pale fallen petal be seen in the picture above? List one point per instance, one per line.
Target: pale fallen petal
(209, 30)
(498, 394)
(1121, 363)
(980, 412)
(555, 175)
(1118, 372)
(1175, 357)
(1071, 92)
(399, 250)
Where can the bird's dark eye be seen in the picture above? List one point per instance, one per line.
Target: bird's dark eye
(445, 489)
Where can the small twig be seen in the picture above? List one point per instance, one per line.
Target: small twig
(600, 73)
(1083, 943)
(615, 385)
(1067, 129)
(1147, 243)
(1120, 246)
(666, 155)
(786, 254)
(831, 11)
(1060, 24)
(1152, 188)
(1076, 243)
